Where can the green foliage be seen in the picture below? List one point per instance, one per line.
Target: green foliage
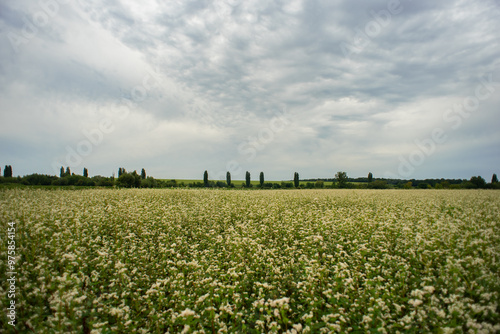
(73, 180)
(220, 184)
(494, 179)
(143, 174)
(85, 172)
(370, 177)
(205, 178)
(378, 184)
(478, 182)
(102, 181)
(296, 181)
(129, 180)
(341, 178)
(261, 179)
(247, 179)
(7, 171)
(228, 179)
(445, 184)
(38, 179)
(319, 184)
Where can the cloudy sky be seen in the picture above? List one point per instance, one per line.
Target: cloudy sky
(407, 89)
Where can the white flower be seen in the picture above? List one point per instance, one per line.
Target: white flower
(367, 319)
(415, 302)
(187, 312)
(429, 289)
(202, 298)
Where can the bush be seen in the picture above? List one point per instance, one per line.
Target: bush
(10, 179)
(38, 180)
(102, 181)
(408, 185)
(149, 182)
(378, 184)
(126, 180)
(221, 184)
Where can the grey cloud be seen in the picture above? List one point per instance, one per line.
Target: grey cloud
(228, 66)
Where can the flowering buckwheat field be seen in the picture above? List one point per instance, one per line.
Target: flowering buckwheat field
(207, 261)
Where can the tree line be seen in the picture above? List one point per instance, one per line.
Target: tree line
(340, 180)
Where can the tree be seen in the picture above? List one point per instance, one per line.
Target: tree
(85, 172)
(126, 180)
(478, 182)
(370, 177)
(247, 179)
(341, 179)
(121, 171)
(408, 185)
(205, 178)
(261, 179)
(7, 171)
(137, 179)
(68, 171)
(228, 179)
(61, 172)
(143, 174)
(296, 180)
(494, 179)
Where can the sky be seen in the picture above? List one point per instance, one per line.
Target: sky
(403, 89)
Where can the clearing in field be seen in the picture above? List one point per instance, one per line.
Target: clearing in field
(207, 261)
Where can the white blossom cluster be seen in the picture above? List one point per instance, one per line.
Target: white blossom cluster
(299, 261)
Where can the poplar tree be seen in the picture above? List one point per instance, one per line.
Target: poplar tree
(296, 180)
(247, 179)
(205, 178)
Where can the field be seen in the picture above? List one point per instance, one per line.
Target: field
(216, 260)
